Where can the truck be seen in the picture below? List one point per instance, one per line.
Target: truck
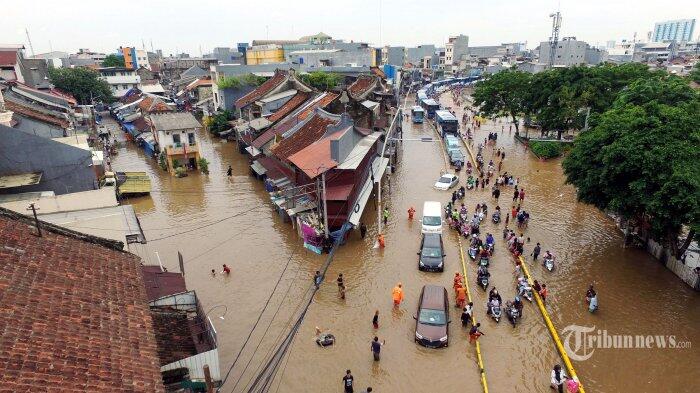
(127, 183)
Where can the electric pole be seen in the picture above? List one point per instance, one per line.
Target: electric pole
(31, 47)
(36, 219)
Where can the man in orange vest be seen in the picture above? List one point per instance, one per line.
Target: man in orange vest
(397, 294)
(380, 239)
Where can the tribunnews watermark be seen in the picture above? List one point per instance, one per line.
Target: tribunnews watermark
(581, 341)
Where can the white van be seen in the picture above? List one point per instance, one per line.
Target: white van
(432, 217)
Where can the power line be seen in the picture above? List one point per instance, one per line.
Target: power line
(206, 225)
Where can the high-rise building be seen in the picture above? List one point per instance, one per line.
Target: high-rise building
(680, 30)
(134, 58)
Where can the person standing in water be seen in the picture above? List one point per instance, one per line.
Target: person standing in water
(375, 319)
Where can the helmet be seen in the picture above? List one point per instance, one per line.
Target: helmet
(517, 298)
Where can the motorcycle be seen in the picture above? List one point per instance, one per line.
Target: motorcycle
(525, 291)
(489, 248)
(472, 252)
(593, 304)
(513, 314)
(496, 218)
(483, 281)
(548, 263)
(484, 261)
(495, 312)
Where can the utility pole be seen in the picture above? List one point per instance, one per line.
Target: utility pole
(554, 38)
(325, 205)
(207, 379)
(30, 41)
(36, 219)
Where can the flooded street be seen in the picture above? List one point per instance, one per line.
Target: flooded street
(214, 220)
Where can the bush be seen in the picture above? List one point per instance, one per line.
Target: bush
(546, 149)
(162, 161)
(203, 165)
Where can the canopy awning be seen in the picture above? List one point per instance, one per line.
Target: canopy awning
(259, 169)
(378, 168)
(252, 151)
(20, 180)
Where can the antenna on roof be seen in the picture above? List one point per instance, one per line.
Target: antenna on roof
(29, 40)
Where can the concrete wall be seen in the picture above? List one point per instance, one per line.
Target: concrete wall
(65, 168)
(568, 52)
(416, 55)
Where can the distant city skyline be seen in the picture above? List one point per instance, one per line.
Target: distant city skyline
(177, 27)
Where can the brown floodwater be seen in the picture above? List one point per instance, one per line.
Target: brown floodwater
(214, 220)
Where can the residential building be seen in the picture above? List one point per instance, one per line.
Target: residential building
(55, 59)
(570, 51)
(174, 67)
(394, 55)
(656, 52)
(31, 163)
(369, 101)
(87, 54)
(264, 54)
(624, 51)
(689, 49)
(422, 56)
(250, 106)
(10, 56)
(176, 135)
(43, 113)
(456, 48)
(134, 58)
(242, 48)
(120, 79)
(228, 55)
(357, 54)
(68, 278)
(679, 30)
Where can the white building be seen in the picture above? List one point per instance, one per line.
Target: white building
(120, 79)
(456, 48)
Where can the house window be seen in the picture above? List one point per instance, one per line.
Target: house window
(176, 139)
(190, 138)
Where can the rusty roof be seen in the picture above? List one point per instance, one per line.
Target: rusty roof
(311, 131)
(363, 85)
(34, 114)
(74, 313)
(159, 283)
(267, 86)
(289, 106)
(154, 104)
(8, 57)
(315, 159)
(294, 119)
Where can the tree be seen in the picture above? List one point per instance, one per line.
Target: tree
(113, 61)
(229, 82)
(641, 160)
(503, 94)
(695, 73)
(219, 122)
(236, 82)
(83, 83)
(321, 80)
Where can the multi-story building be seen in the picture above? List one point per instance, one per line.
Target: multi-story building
(87, 54)
(176, 135)
(674, 30)
(456, 48)
(421, 56)
(352, 54)
(228, 55)
(265, 54)
(394, 55)
(120, 79)
(174, 67)
(570, 51)
(134, 58)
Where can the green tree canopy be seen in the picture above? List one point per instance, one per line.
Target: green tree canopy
(236, 82)
(695, 73)
(83, 83)
(321, 80)
(504, 94)
(113, 61)
(642, 159)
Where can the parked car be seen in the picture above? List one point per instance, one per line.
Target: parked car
(457, 158)
(446, 181)
(432, 318)
(431, 256)
(451, 143)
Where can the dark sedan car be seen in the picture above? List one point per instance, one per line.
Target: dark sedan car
(433, 317)
(431, 256)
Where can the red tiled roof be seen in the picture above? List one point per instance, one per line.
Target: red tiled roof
(74, 313)
(29, 112)
(173, 335)
(289, 106)
(309, 133)
(152, 105)
(284, 126)
(279, 77)
(362, 85)
(8, 58)
(141, 124)
(129, 99)
(275, 169)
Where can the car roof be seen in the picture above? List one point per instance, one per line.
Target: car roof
(431, 239)
(433, 297)
(447, 174)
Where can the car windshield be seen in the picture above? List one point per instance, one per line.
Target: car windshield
(445, 179)
(432, 220)
(432, 252)
(432, 317)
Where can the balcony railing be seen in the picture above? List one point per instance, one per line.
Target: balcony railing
(181, 148)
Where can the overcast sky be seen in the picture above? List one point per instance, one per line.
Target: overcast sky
(188, 25)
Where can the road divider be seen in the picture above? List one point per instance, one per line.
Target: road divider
(479, 358)
(552, 329)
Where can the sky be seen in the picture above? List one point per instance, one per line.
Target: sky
(197, 26)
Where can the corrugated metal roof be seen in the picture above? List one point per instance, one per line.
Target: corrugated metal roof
(174, 121)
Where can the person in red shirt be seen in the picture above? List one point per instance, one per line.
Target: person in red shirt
(513, 212)
(226, 270)
(522, 195)
(411, 212)
(544, 292)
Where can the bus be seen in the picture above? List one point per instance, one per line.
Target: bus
(421, 95)
(430, 107)
(417, 114)
(447, 123)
